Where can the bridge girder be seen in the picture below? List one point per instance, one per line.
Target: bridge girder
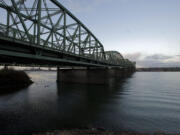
(49, 24)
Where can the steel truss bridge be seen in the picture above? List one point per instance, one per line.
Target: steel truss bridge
(44, 32)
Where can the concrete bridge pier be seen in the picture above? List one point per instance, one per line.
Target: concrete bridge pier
(58, 74)
(91, 75)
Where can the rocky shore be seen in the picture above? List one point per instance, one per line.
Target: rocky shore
(13, 80)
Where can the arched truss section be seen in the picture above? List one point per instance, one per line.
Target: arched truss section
(49, 24)
(114, 57)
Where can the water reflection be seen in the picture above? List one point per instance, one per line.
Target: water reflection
(84, 103)
(47, 105)
(142, 102)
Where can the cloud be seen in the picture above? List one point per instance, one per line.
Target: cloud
(155, 60)
(158, 57)
(145, 63)
(133, 56)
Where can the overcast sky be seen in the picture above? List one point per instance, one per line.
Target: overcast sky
(147, 31)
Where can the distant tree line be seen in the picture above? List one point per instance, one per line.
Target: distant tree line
(160, 69)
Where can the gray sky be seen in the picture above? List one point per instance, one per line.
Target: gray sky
(146, 31)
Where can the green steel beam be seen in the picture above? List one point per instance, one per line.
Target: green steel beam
(29, 56)
(39, 22)
(20, 18)
(71, 38)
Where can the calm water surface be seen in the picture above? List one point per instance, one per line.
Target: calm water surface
(145, 102)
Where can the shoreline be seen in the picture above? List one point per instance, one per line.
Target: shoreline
(158, 69)
(95, 131)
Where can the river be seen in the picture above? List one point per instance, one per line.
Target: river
(145, 102)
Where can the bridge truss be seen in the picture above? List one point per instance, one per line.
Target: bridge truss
(49, 31)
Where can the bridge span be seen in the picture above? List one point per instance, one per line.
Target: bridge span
(44, 32)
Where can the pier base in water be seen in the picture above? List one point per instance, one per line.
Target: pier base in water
(92, 76)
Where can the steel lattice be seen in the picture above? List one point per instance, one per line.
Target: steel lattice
(49, 24)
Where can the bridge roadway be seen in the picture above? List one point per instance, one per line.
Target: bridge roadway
(44, 32)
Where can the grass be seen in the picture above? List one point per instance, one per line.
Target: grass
(12, 80)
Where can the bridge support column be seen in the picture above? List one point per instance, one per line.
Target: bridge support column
(58, 74)
(5, 66)
(91, 76)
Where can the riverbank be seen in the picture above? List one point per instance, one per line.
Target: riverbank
(12, 80)
(93, 131)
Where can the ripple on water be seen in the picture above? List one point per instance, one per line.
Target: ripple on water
(144, 102)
